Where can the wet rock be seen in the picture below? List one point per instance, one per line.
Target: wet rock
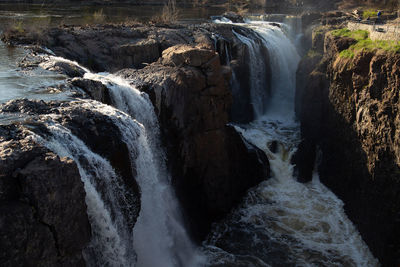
(96, 130)
(273, 146)
(66, 68)
(42, 204)
(95, 89)
(234, 17)
(211, 165)
(111, 48)
(348, 110)
(108, 47)
(137, 54)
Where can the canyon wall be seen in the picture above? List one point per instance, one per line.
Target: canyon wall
(349, 111)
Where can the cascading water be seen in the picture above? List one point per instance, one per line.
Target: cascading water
(112, 243)
(159, 237)
(282, 222)
(258, 94)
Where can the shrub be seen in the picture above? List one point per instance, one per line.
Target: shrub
(99, 16)
(169, 14)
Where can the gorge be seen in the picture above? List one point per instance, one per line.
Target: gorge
(181, 145)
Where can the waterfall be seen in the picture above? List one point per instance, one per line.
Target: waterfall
(159, 237)
(112, 241)
(284, 60)
(282, 222)
(258, 92)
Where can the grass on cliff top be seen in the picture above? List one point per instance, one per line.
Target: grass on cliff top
(370, 13)
(364, 43)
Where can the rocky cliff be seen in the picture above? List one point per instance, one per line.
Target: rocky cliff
(188, 82)
(111, 48)
(44, 220)
(349, 110)
(212, 165)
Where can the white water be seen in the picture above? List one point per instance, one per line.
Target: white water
(112, 242)
(160, 238)
(304, 222)
(284, 60)
(258, 93)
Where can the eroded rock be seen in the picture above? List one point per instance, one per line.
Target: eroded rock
(212, 166)
(349, 110)
(42, 204)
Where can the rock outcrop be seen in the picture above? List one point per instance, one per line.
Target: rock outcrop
(43, 218)
(188, 83)
(349, 109)
(111, 48)
(212, 166)
(42, 197)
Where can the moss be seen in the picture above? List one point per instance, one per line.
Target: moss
(370, 13)
(365, 43)
(347, 53)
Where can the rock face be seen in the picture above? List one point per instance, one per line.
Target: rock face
(212, 166)
(111, 48)
(43, 218)
(107, 48)
(43, 193)
(95, 89)
(350, 111)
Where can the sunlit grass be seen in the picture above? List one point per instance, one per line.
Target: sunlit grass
(370, 13)
(364, 43)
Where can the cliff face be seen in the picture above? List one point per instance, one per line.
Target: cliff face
(211, 165)
(349, 110)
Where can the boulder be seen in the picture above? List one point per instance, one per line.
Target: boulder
(95, 89)
(69, 69)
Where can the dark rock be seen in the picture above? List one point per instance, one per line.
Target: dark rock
(349, 110)
(211, 165)
(273, 146)
(95, 89)
(234, 17)
(42, 205)
(96, 130)
(66, 68)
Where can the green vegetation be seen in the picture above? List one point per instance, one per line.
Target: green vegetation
(370, 13)
(364, 43)
(357, 35)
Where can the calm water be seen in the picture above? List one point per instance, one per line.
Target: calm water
(80, 14)
(18, 83)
